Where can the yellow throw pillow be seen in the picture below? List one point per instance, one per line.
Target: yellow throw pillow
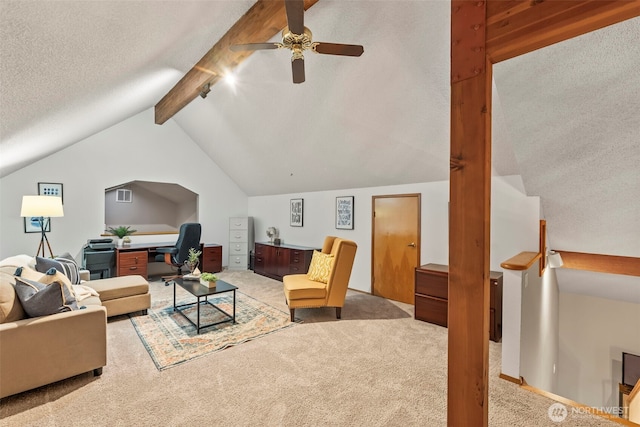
(320, 267)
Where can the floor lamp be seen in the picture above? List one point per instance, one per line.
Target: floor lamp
(42, 207)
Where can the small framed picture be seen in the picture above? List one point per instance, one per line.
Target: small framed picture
(32, 224)
(50, 189)
(296, 214)
(344, 213)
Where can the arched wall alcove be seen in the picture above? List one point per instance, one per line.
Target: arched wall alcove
(149, 207)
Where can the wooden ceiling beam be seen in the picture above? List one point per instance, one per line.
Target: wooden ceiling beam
(263, 20)
(612, 264)
(518, 27)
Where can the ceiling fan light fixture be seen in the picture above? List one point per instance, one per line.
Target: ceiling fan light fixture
(298, 38)
(289, 38)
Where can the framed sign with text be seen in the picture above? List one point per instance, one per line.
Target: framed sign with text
(344, 213)
(296, 212)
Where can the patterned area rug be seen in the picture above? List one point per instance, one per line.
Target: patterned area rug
(171, 340)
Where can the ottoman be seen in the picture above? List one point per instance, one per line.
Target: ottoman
(122, 295)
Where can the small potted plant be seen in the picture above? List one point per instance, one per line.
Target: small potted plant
(193, 259)
(208, 279)
(123, 233)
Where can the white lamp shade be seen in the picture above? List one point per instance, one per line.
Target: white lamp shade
(45, 206)
(554, 259)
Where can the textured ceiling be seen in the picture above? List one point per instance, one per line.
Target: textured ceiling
(72, 68)
(565, 117)
(573, 113)
(380, 115)
(573, 110)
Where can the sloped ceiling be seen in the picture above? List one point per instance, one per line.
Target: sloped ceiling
(573, 111)
(378, 116)
(565, 117)
(70, 69)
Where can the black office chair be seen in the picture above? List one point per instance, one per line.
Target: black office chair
(188, 238)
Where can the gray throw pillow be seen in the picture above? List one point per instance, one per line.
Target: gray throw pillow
(65, 264)
(38, 299)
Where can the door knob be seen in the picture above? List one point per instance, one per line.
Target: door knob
(413, 245)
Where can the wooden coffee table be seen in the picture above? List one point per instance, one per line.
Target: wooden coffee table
(202, 292)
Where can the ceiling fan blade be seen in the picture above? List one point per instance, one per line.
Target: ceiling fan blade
(295, 15)
(297, 67)
(253, 46)
(339, 49)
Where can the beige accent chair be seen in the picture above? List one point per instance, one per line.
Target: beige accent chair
(301, 292)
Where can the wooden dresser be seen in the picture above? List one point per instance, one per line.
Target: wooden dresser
(432, 293)
(278, 261)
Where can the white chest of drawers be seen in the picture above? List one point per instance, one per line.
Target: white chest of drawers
(240, 242)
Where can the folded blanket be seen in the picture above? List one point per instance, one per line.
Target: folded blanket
(83, 292)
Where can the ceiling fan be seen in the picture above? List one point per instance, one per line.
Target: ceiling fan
(297, 38)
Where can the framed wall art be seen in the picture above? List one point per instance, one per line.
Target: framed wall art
(50, 189)
(296, 214)
(32, 224)
(344, 213)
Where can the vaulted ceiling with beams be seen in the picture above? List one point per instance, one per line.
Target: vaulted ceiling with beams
(565, 117)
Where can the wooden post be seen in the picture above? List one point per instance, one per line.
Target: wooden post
(470, 193)
(484, 32)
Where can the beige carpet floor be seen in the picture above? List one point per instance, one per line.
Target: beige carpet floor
(375, 367)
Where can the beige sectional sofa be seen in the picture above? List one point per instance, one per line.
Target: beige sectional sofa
(36, 351)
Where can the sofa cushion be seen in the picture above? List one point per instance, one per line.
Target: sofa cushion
(65, 264)
(10, 307)
(39, 299)
(320, 267)
(119, 287)
(89, 301)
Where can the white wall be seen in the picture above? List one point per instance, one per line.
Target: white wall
(539, 328)
(593, 334)
(135, 149)
(511, 329)
(514, 221)
(154, 207)
(514, 228)
(319, 221)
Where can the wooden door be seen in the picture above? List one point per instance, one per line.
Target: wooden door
(395, 246)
